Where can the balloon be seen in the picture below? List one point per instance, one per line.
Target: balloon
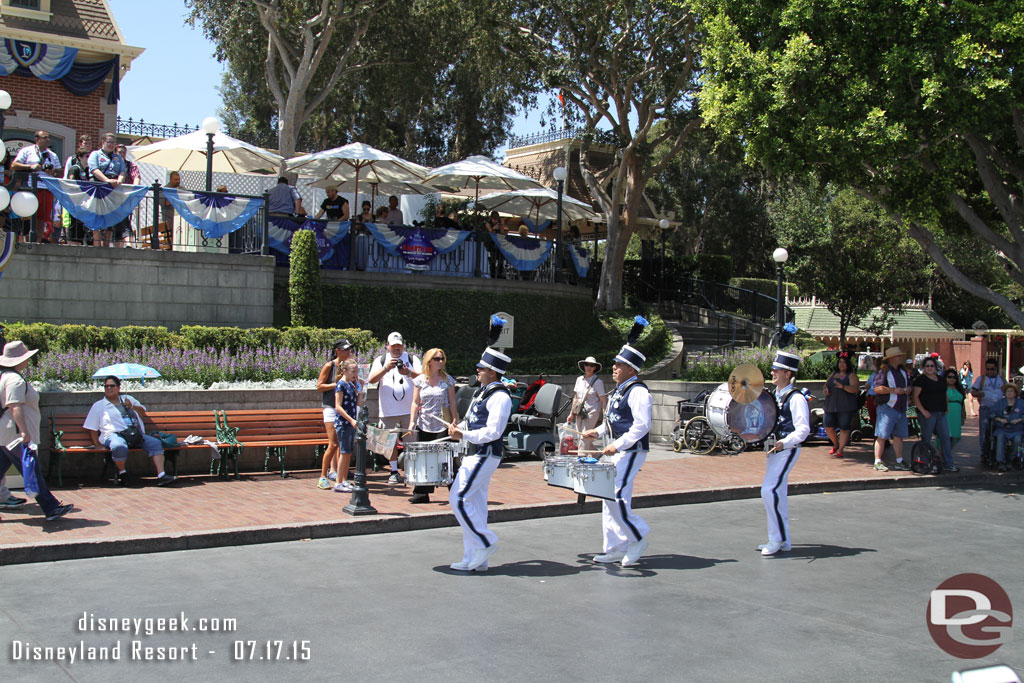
(24, 204)
(3, 151)
(5, 198)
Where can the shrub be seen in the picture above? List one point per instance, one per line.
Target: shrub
(304, 283)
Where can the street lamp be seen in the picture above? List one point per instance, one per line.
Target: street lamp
(780, 256)
(560, 175)
(5, 104)
(663, 224)
(211, 126)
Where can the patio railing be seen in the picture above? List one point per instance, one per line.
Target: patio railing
(153, 130)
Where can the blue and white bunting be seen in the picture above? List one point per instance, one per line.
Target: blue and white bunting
(280, 231)
(580, 259)
(46, 62)
(215, 214)
(534, 228)
(389, 238)
(523, 253)
(97, 205)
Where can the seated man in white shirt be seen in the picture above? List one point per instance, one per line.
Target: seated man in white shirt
(109, 417)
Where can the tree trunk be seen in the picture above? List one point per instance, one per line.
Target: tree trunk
(620, 229)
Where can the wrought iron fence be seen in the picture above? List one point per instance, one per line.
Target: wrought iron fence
(603, 137)
(154, 130)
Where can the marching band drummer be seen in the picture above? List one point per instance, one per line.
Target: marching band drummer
(629, 420)
(483, 426)
(793, 427)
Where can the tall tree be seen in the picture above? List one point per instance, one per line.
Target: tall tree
(918, 105)
(627, 65)
(848, 253)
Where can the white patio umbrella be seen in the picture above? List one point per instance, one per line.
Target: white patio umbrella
(480, 173)
(188, 153)
(541, 202)
(356, 162)
(387, 187)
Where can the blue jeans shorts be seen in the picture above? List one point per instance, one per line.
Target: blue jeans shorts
(346, 436)
(891, 422)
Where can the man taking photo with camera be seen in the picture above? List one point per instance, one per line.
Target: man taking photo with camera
(39, 158)
(394, 371)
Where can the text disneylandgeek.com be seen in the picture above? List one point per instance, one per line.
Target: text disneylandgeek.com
(130, 642)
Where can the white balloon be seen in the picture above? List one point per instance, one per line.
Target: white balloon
(24, 204)
(3, 152)
(5, 198)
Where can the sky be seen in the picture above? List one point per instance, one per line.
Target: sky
(176, 79)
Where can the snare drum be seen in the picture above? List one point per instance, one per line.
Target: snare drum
(716, 409)
(429, 464)
(557, 472)
(594, 479)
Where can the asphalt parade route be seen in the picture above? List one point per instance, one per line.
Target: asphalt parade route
(848, 603)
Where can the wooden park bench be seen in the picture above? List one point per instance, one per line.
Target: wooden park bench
(164, 235)
(70, 437)
(275, 431)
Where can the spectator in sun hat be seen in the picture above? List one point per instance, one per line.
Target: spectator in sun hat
(395, 370)
(482, 428)
(892, 392)
(628, 422)
(589, 400)
(20, 419)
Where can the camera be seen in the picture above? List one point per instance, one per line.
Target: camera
(400, 364)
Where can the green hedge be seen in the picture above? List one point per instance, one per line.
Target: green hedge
(46, 337)
(765, 286)
(304, 280)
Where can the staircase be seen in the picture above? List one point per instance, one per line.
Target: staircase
(699, 337)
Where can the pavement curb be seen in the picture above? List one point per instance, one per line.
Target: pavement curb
(27, 553)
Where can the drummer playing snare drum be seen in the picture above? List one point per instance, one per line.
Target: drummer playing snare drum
(629, 421)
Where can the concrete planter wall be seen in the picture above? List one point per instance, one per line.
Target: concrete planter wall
(665, 394)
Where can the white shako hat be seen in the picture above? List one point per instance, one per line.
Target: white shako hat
(786, 361)
(631, 357)
(495, 360)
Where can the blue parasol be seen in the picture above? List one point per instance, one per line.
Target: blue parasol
(128, 371)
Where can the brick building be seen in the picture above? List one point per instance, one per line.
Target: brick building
(61, 61)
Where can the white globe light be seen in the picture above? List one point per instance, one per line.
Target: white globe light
(211, 124)
(780, 255)
(560, 173)
(24, 204)
(663, 224)
(5, 198)
(5, 99)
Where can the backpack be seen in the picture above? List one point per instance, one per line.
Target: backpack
(924, 459)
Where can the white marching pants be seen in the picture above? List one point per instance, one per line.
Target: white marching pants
(468, 499)
(621, 525)
(775, 493)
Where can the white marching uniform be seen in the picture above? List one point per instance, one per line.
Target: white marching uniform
(621, 525)
(793, 428)
(468, 495)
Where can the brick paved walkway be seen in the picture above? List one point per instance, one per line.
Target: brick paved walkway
(200, 505)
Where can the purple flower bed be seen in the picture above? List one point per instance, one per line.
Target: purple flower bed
(718, 368)
(202, 366)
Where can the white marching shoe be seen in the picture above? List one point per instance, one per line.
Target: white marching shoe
(786, 547)
(480, 556)
(633, 552)
(609, 557)
(772, 548)
(464, 567)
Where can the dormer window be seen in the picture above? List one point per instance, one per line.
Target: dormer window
(29, 9)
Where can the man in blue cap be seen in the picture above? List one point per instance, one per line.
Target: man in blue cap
(483, 427)
(794, 425)
(628, 420)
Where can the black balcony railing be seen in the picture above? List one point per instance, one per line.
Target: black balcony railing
(153, 130)
(603, 137)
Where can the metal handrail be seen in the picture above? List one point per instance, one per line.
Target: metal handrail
(154, 130)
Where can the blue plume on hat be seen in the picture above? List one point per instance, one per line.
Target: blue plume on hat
(495, 330)
(789, 331)
(639, 323)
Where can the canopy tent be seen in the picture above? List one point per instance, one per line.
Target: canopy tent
(188, 153)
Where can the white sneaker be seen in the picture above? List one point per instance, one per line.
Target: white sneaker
(771, 548)
(480, 556)
(609, 557)
(464, 567)
(343, 487)
(786, 547)
(633, 552)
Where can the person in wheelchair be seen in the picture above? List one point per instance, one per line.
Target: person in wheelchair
(1008, 425)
